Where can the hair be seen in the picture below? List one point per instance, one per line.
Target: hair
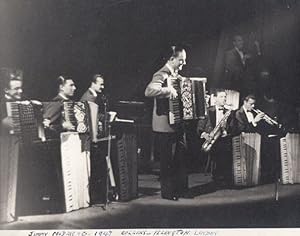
(219, 91)
(95, 76)
(236, 35)
(250, 96)
(171, 51)
(61, 80)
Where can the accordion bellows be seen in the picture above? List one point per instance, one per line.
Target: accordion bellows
(290, 158)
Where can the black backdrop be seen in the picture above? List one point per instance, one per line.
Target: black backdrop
(123, 39)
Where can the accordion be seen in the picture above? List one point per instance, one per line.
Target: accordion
(290, 158)
(190, 103)
(27, 119)
(83, 116)
(232, 99)
(246, 159)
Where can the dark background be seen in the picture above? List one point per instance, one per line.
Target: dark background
(123, 40)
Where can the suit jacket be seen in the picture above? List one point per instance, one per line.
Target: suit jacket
(53, 112)
(234, 70)
(88, 96)
(209, 122)
(157, 89)
(242, 124)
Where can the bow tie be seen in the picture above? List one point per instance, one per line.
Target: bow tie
(221, 109)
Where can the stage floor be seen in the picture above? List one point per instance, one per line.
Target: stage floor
(210, 208)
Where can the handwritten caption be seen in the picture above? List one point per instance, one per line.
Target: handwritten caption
(129, 232)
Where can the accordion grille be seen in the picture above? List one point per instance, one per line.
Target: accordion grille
(246, 159)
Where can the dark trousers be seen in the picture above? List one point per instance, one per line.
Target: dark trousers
(222, 157)
(170, 151)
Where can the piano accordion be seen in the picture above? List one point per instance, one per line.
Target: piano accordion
(83, 116)
(27, 118)
(190, 103)
(290, 158)
(246, 159)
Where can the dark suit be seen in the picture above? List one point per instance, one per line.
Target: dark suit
(170, 148)
(242, 124)
(221, 152)
(238, 75)
(88, 96)
(234, 70)
(98, 179)
(53, 112)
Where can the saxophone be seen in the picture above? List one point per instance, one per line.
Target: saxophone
(215, 133)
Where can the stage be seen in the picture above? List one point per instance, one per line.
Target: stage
(210, 208)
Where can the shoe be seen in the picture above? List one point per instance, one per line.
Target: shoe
(173, 198)
(187, 196)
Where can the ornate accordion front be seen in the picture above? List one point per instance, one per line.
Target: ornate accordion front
(246, 159)
(83, 116)
(27, 118)
(290, 158)
(190, 103)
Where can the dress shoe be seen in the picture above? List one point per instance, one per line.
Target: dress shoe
(187, 196)
(173, 198)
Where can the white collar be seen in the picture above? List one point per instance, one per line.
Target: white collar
(238, 50)
(94, 93)
(245, 110)
(217, 107)
(8, 97)
(171, 69)
(63, 96)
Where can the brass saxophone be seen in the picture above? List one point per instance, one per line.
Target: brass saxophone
(215, 133)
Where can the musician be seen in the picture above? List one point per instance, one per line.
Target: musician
(12, 92)
(246, 120)
(9, 147)
(96, 87)
(98, 179)
(170, 145)
(53, 110)
(221, 150)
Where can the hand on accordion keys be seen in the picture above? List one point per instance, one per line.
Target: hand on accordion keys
(173, 93)
(68, 125)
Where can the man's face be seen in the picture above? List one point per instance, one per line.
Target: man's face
(179, 61)
(250, 104)
(221, 98)
(15, 89)
(238, 42)
(68, 88)
(98, 86)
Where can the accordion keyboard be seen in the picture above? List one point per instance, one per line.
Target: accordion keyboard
(284, 162)
(237, 162)
(174, 104)
(290, 158)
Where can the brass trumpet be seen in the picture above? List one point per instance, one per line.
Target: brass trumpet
(268, 119)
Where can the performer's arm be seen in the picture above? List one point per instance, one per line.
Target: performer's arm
(155, 87)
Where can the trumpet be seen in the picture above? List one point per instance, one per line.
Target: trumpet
(268, 119)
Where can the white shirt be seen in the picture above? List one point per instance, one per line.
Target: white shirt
(171, 70)
(94, 93)
(63, 96)
(219, 114)
(241, 55)
(250, 116)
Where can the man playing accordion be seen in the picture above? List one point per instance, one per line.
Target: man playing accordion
(170, 144)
